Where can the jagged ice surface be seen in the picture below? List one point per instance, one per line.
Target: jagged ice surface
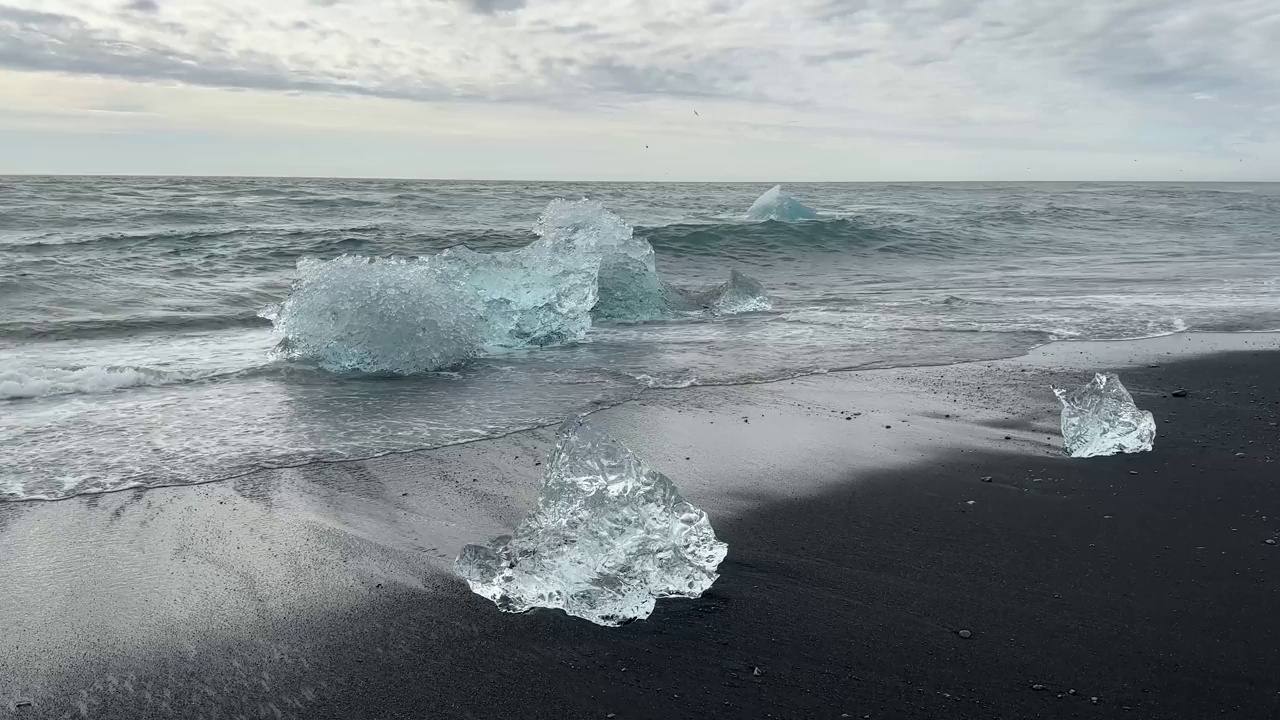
(411, 315)
(777, 205)
(609, 536)
(1102, 419)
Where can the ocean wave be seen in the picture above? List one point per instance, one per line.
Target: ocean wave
(770, 240)
(112, 327)
(36, 382)
(184, 237)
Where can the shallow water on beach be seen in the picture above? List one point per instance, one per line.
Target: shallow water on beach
(132, 352)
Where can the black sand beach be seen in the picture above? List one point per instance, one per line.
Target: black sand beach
(1130, 587)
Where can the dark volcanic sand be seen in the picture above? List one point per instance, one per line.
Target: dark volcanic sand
(1154, 592)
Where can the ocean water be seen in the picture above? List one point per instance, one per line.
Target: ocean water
(133, 353)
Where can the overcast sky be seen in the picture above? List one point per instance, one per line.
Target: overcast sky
(660, 90)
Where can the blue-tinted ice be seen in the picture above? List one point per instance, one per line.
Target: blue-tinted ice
(1102, 419)
(777, 205)
(410, 315)
(609, 536)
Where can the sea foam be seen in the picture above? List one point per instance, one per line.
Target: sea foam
(34, 382)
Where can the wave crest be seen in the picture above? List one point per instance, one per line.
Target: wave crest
(35, 382)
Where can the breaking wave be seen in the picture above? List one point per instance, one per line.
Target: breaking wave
(36, 382)
(114, 327)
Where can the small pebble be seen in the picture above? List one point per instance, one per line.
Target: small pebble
(1037, 686)
(986, 479)
(966, 634)
(1072, 691)
(1179, 393)
(1269, 541)
(1133, 472)
(1239, 454)
(757, 672)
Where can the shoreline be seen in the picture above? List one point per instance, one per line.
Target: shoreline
(855, 557)
(1203, 342)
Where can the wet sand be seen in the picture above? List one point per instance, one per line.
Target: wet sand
(857, 554)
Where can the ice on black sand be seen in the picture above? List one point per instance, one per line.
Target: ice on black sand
(610, 535)
(1102, 419)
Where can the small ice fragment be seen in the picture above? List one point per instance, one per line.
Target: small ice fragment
(777, 205)
(1101, 419)
(609, 536)
(741, 294)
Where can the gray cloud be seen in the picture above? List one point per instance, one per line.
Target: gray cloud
(1050, 69)
(494, 6)
(148, 6)
(836, 56)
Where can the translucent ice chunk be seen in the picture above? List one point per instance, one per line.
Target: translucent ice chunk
(741, 294)
(609, 536)
(376, 315)
(777, 205)
(412, 315)
(629, 286)
(1101, 419)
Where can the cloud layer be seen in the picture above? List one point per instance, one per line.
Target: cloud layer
(1184, 74)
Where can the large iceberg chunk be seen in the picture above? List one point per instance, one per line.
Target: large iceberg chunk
(412, 315)
(777, 205)
(1102, 419)
(609, 536)
(629, 286)
(376, 315)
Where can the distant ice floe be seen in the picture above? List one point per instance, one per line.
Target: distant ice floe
(610, 535)
(777, 205)
(412, 315)
(1102, 419)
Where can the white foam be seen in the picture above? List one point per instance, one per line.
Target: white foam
(35, 382)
